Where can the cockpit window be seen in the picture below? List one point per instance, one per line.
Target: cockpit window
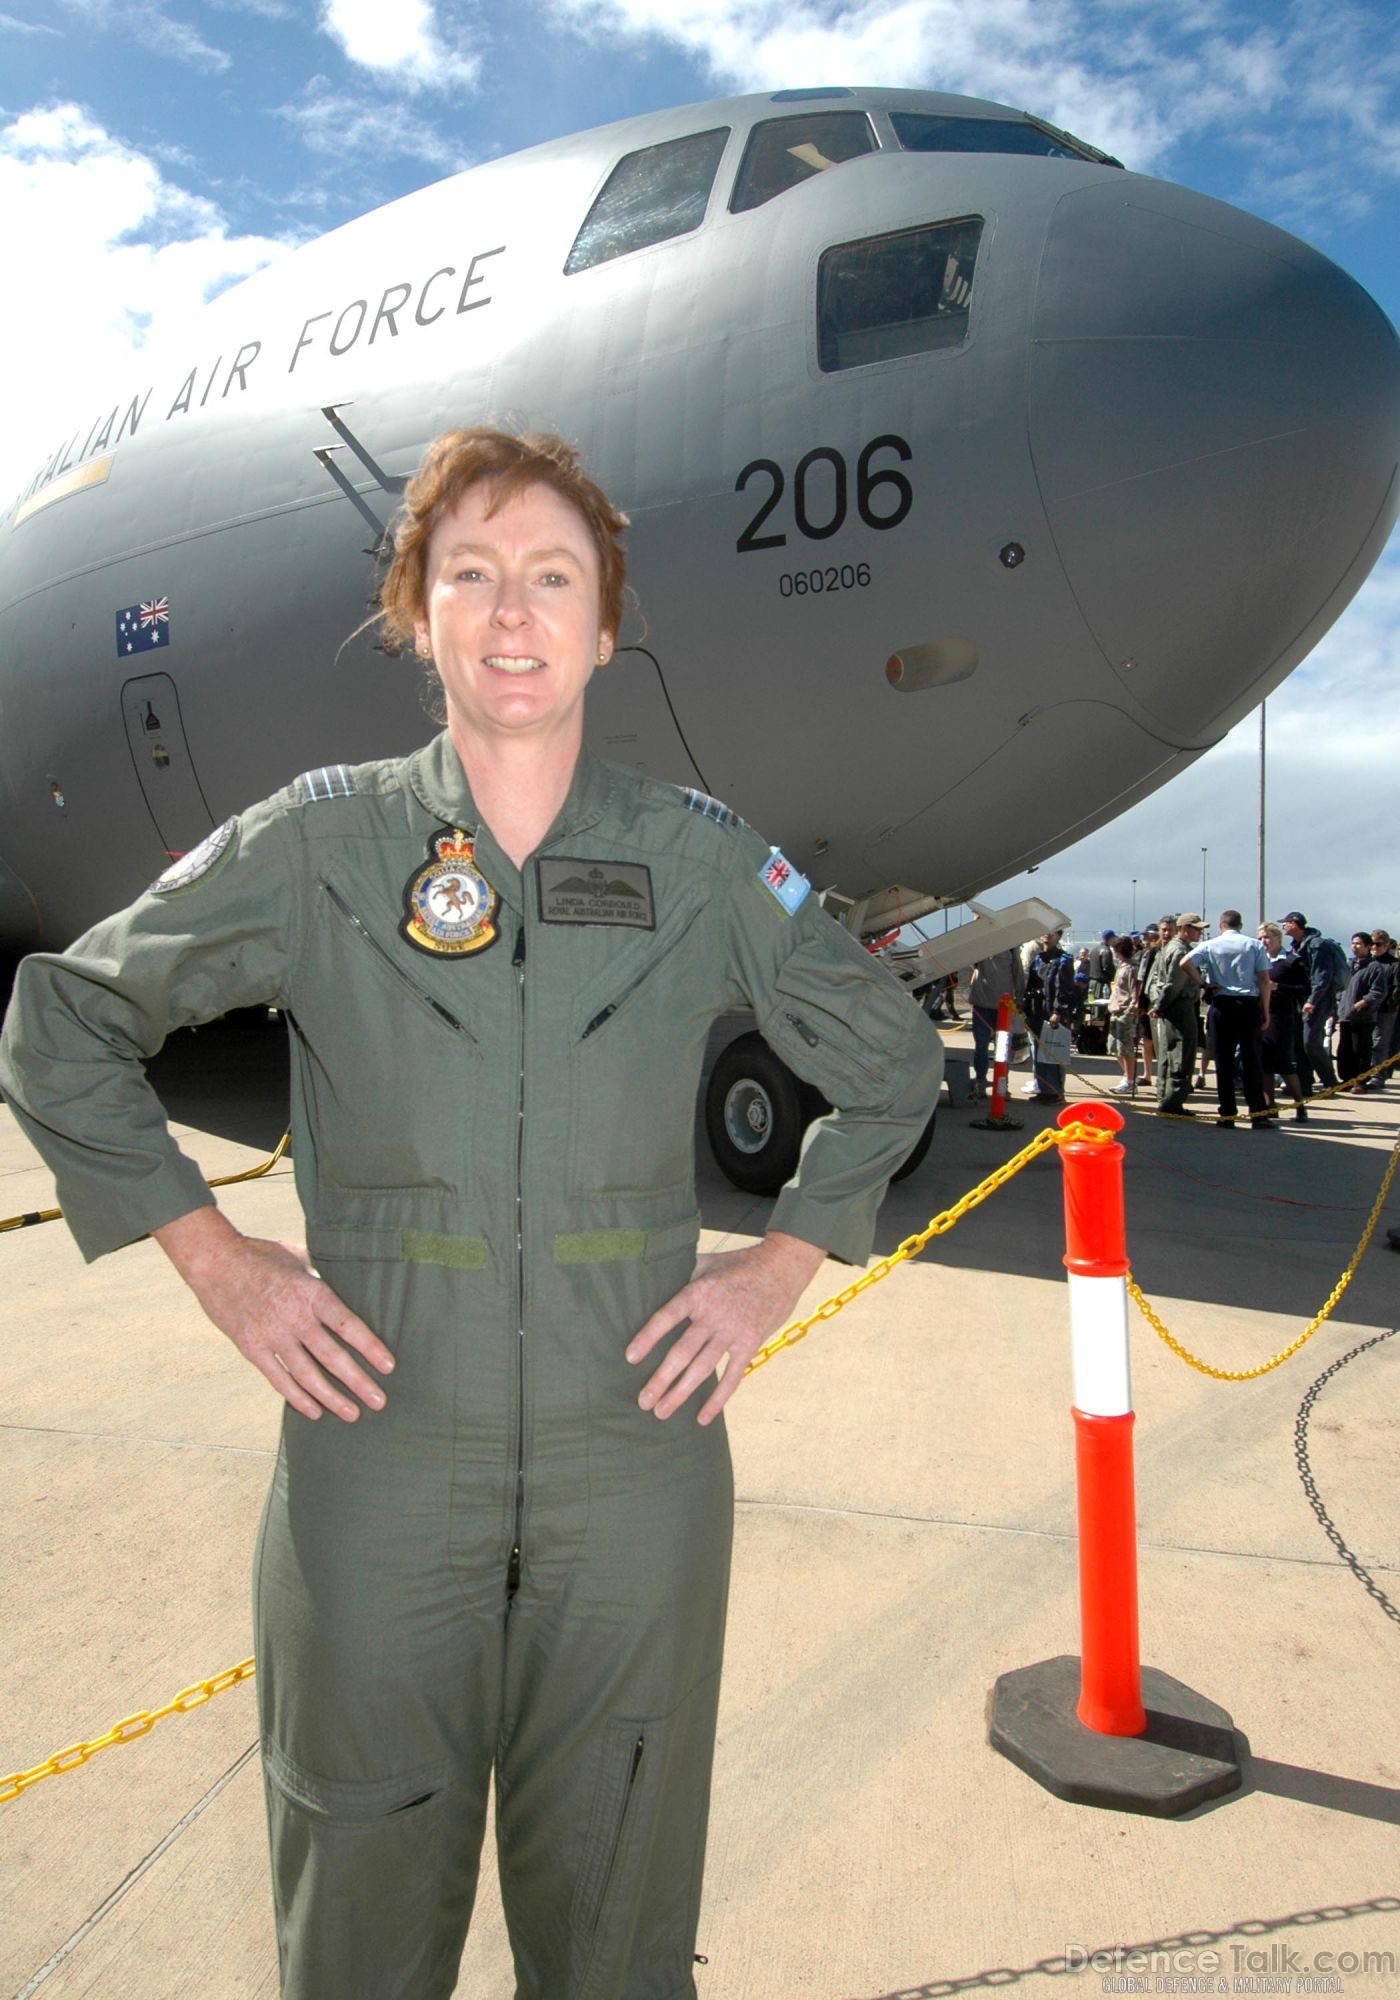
(923, 132)
(659, 192)
(895, 295)
(783, 151)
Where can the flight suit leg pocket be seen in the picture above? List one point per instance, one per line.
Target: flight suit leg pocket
(359, 1873)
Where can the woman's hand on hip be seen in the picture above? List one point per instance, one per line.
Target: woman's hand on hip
(736, 1299)
(278, 1314)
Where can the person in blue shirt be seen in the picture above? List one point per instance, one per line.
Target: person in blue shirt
(1235, 970)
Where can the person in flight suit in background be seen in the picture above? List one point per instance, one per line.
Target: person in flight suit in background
(1171, 993)
(498, 1533)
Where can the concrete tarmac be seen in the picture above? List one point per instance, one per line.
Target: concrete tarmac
(905, 1533)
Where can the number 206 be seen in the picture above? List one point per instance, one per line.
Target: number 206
(883, 494)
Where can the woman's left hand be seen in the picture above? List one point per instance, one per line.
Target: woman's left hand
(734, 1301)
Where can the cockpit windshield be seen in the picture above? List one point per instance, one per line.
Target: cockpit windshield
(927, 132)
(659, 192)
(784, 151)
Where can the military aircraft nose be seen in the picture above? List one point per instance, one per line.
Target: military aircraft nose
(1214, 415)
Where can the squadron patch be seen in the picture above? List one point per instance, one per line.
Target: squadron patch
(449, 906)
(784, 882)
(595, 892)
(190, 868)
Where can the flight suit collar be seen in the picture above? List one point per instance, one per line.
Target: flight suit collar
(439, 783)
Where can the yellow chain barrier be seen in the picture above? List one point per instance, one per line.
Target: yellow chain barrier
(132, 1726)
(1319, 1319)
(221, 1180)
(140, 1724)
(125, 1731)
(1044, 1142)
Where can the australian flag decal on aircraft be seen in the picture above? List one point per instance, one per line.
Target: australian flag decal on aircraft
(143, 626)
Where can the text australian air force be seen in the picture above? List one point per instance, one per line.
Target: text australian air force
(336, 330)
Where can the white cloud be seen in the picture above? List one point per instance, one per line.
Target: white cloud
(18, 27)
(400, 42)
(138, 254)
(1043, 54)
(1319, 88)
(146, 23)
(351, 130)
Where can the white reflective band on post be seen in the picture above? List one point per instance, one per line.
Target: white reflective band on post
(1003, 1048)
(1098, 1317)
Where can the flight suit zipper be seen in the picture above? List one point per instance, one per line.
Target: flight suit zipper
(844, 1053)
(671, 935)
(386, 958)
(620, 1828)
(517, 1534)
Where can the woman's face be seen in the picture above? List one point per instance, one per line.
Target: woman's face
(510, 612)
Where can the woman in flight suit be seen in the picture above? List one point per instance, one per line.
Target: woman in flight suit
(508, 1548)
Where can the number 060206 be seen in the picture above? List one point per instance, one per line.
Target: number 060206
(815, 582)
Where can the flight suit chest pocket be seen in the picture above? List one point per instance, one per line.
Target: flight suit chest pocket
(392, 1062)
(637, 1035)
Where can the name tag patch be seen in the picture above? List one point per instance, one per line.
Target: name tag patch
(784, 881)
(595, 892)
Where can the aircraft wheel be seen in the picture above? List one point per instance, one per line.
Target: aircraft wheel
(756, 1112)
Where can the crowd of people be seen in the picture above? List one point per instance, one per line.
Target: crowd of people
(1285, 1007)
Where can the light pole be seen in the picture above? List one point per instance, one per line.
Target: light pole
(1204, 852)
(1133, 925)
(1263, 712)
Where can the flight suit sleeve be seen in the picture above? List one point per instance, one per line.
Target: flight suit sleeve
(82, 1022)
(844, 1023)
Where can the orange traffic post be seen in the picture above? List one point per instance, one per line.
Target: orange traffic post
(1101, 1729)
(996, 1119)
(1096, 1257)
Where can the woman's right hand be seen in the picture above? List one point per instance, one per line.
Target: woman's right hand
(278, 1314)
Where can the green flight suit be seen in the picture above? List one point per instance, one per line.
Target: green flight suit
(1175, 1031)
(511, 1568)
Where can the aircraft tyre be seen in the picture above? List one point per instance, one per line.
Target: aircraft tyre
(757, 1111)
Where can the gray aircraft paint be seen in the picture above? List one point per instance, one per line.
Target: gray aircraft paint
(1188, 421)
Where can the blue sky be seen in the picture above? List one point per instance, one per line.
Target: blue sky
(154, 151)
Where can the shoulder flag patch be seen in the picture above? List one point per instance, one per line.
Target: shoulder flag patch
(331, 781)
(784, 882)
(708, 808)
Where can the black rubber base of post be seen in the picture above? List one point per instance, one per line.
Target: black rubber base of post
(1189, 1752)
(996, 1124)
